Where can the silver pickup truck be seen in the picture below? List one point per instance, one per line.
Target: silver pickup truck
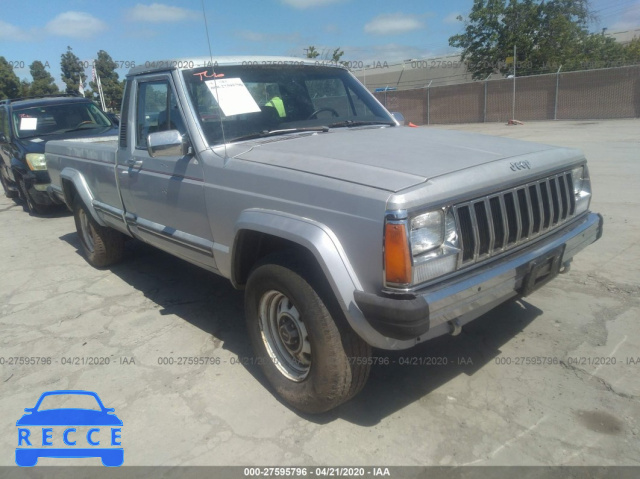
(346, 230)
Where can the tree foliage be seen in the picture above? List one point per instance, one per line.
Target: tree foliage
(546, 34)
(25, 88)
(336, 55)
(311, 52)
(43, 83)
(9, 82)
(112, 87)
(72, 71)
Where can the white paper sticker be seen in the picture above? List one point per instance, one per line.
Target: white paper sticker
(232, 96)
(28, 123)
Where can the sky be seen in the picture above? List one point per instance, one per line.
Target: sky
(368, 31)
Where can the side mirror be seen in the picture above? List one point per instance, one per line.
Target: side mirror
(399, 117)
(167, 143)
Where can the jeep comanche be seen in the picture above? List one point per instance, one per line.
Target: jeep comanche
(346, 230)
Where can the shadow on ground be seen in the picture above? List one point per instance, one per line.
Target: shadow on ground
(400, 378)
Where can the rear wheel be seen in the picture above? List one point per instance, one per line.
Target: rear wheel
(312, 359)
(101, 245)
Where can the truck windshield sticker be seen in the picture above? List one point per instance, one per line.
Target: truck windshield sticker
(204, 74)
(233, 96)
(28, 123)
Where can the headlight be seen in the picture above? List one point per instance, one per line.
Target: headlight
(36, 161)
(581, 188)
(430, 249)
(427, 232)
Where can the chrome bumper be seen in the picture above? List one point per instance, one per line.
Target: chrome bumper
(446, 307)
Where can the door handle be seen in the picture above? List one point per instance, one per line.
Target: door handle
(134, 163)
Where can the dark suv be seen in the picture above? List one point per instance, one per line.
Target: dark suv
(26, 124)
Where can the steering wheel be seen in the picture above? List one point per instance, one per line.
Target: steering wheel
(86, 122)
(326, 108)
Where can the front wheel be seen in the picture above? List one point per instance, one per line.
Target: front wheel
(8, 193)
(313, 361)
(32, 206)
(101, 245)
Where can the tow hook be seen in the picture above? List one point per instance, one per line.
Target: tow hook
(456, 327)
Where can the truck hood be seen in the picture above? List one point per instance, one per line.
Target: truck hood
(387, 158)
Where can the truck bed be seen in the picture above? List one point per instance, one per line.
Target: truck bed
(94, 157)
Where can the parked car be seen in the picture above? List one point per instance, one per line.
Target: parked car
(26, 124)
(345, 229)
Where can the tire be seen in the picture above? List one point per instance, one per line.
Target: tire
(33, 207)
(102, 246)
(312, 358)
(7, 193)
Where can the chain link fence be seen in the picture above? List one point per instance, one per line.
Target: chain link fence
(589, 94)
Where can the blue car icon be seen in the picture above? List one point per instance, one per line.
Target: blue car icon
(39, 417)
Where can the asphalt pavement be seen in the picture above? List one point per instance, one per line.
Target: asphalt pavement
(553, 379)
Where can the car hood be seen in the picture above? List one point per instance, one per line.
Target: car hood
(387, 158)
(36, 144)
(69, 417)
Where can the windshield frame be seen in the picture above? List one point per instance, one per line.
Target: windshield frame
(217, 131)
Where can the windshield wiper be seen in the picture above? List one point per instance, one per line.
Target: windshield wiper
(84, 127)
(267, 133)
(360, 123)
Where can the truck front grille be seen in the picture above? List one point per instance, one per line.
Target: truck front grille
(495, 223)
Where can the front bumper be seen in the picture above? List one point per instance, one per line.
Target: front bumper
(444, 308)
(37, 184)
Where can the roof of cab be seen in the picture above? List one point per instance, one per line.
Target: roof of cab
(203, 62)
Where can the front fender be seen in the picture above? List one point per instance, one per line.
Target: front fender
(70, 176)
(318, 239)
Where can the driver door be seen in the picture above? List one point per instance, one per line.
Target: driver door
(164, 196)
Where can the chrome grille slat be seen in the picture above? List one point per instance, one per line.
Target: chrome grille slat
(476, 235)
(540, 208)
(516, 202)
(492, 237)
(505, 222)
(491, 224)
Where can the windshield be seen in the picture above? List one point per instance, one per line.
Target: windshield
(57, 119)
(253, 100)
(66, 401)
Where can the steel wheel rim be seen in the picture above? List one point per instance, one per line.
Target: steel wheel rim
(284, 335)
(85, 230)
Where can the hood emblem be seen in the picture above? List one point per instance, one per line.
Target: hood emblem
(520, 165)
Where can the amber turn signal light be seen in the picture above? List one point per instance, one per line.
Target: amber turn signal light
(397, 261)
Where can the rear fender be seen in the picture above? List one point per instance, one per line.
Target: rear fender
(74, 183)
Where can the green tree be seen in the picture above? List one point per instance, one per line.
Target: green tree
(9, 82)
(43, 83)
(25, 87)
(632, 51)
(337, 54)
(112, 87)
(546, 34)
(72, 71)
(311, 52)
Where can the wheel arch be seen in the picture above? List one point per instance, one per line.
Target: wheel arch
(260, 232)
(73, 185)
